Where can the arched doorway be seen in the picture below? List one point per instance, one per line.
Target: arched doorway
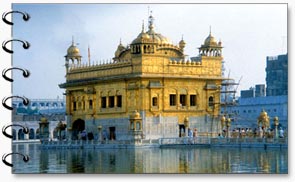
(13, 134)
(181, 130)
(78, 126)
(32, 134)
(21, 135)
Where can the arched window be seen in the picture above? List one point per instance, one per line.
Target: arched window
(182, 99)
(90, 102)
(211, 101)
(155, 101)
(21, 135)
(138, 127)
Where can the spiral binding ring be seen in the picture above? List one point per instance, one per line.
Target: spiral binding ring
(26, 73)
(25, 158)
(25, 101)
(26, 16)
(26, 45)
(25, 130)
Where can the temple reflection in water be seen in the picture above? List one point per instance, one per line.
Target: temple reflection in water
(157, 160)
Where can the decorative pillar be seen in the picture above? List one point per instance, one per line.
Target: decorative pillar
(263, 121)
(44, 129)
(186, 125)
(99, 133)
(16, 135)
(60, 127)
(69, 123)
(135, 127)
(228, 124)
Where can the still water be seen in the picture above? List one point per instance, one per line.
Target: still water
(153, 160)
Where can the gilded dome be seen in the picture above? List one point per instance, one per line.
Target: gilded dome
(142, 37)
(181, 42)
(119, 49)
(263, 113)
(135, 115)
(73, 51)
(151, 36)
(210, 41)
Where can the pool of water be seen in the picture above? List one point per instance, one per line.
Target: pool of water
(153, 160)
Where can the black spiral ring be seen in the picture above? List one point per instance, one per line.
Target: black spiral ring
(25, 130)
(26, 101)
(26, 16)
(26, 45)
(26, 73)
(25, 158)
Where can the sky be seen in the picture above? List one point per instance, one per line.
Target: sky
(249, 33)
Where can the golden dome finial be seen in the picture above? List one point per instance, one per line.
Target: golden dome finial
(210, 29)
(151, 22)
(210, 40)
(73, 50)
(220, 43)
(181, 43)
(142, 26)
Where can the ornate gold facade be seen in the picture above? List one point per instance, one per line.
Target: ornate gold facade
(151, 76)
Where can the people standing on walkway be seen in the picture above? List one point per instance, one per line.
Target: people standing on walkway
(104, 135)
(281, 133)
(190, 135)
(260, 132)
(242, 133)
(195, 134)
(182, 132)
(84, 135)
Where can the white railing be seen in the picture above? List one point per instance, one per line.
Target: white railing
(201, 141)
(185, 141)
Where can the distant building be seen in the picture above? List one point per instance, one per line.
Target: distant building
(37, 108)
(277, 75)
(30, 115)
(257, 91)
(248, 109)
(273, 99)
(260, 90)
(247, 93)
